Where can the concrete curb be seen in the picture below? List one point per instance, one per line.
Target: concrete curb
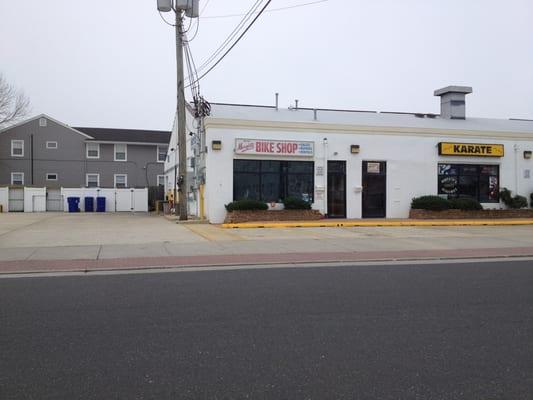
(379, 223)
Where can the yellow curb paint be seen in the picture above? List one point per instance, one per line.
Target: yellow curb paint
(384, 223)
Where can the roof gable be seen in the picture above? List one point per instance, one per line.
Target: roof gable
(47, 117)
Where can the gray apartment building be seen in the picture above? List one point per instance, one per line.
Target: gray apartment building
(44, 152)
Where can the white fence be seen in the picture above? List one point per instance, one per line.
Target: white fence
(4, 199)
(34, 199)
(31, 199)
(116, 199)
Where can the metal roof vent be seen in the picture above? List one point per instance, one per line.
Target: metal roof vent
(452, 101)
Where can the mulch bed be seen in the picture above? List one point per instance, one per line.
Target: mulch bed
(237, 217)
(481, 214)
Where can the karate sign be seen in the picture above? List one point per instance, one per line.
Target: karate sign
(274, 147)
(471, 149)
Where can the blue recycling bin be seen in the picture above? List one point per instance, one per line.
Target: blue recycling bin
(100, 204)
(73, 204)
(89, 204)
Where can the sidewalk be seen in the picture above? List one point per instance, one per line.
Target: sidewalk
(62, 242)
(131, 263)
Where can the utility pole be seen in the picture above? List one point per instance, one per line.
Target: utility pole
(182, 134)
(191, 10)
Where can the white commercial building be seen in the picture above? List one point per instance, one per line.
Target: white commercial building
(355, 164)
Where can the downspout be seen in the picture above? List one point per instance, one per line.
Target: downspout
(31, 157)
(325, 177)
(516, 169)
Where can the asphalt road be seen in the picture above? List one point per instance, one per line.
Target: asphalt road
(458, 331)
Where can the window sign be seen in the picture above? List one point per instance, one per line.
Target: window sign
(274, 147)
(373, 168)
(480, 182)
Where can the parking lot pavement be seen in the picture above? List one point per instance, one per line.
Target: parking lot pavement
(63, 236)
(85, 229)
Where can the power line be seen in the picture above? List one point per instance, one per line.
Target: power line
(232, 35)
(234, 44)
(272, 10)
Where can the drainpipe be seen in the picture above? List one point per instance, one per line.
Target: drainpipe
(31, 156)
(516, 169)
(325, 177)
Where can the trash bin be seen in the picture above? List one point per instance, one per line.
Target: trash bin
(73, 204)
(89, 204)
(100, 204)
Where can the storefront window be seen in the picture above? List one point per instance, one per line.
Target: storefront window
(272, 181)
(480, 182)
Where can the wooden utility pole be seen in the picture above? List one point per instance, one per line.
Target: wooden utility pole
(181, 181)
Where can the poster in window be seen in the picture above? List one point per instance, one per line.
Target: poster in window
(448, 185)
(372, 168)
(493, 188)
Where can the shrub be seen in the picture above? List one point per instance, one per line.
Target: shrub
(512, 202)
(465, 203)
(433, 203)
(294, 203)
(246, 205)
(531, 199)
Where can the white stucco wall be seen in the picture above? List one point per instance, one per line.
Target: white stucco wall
(411, 164)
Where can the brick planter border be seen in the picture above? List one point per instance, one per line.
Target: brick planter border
(240, 216)
(481, 214)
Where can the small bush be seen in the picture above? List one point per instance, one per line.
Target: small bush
(512, 202)
(519, 202)
(433, 203)
(246, 205)
(465, 203)
(294, 203)
(531, 199)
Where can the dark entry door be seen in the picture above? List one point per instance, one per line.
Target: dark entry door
(374, 189)
(337, 189)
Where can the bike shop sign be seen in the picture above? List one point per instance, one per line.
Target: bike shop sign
(274, 147)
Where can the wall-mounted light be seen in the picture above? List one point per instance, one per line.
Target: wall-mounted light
(527, 154)
(216, 145)
(354, 149)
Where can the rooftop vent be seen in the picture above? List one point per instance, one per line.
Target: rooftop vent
(452, 101)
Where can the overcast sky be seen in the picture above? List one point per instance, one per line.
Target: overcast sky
(111, 63)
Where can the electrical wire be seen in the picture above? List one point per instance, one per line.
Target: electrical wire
(164, 20)
(233, 45)
(231, 36)
(272, 10)
(204, 7)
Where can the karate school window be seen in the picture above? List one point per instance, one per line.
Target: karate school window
(272, 181)
(480, 182)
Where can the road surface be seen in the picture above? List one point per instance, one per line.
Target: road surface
(440, 331)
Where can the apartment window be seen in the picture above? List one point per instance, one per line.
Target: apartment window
(121, 152)
(480, 182)
(93, 150)
(160, 180)
(161, 153)
(42, 122)
(17, 148)
(51, 145)
(17, 178)
(51, 176)
(92, 180)
(121, 181)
